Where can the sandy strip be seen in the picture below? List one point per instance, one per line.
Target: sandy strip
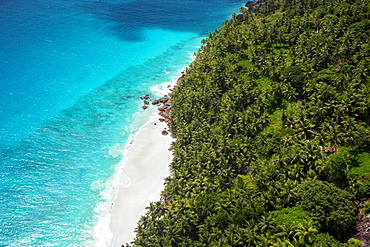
(147, 165)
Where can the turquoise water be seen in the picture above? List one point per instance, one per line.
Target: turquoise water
(71, 74)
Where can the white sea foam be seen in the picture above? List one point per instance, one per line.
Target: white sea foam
(101, 233)
(116, 150)
(165, 87)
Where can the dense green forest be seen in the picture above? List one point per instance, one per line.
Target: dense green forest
(272, 132)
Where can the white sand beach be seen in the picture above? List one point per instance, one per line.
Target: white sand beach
(147, 165)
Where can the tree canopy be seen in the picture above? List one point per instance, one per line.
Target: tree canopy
(272, 131)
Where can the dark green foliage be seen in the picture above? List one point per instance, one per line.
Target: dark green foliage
(294, 76)
(273, 114)
(361, 165)
(339, 164)
(330, 206)
(360, 172)
(366, 208)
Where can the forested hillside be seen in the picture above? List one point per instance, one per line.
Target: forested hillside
(272, 132)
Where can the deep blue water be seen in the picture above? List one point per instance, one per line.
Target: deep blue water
(71, 74)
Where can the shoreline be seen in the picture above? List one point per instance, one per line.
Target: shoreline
(147, 165)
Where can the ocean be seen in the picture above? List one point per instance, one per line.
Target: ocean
(71, 76)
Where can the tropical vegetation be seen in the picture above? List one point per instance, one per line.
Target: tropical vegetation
(271, 123)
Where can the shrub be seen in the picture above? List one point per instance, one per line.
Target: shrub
(366, 209)
(325, 240)
(330, 206)
(338, 164)
(354, 242)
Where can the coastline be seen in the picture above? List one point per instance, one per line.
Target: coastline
(147, 165)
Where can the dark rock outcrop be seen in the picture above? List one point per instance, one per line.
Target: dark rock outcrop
(362, 227)
(146, 101)
(165, 109)
(254, 5)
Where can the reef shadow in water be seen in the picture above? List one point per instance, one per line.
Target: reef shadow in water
(129, 19)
